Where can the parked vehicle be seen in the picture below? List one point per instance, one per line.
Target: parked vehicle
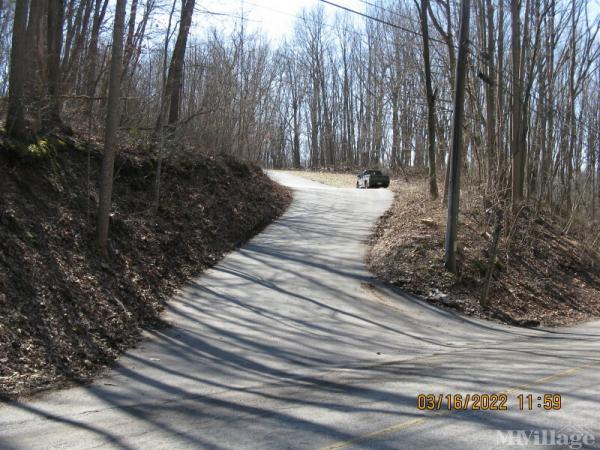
(372, 179)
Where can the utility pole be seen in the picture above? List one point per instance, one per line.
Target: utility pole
(457, 141)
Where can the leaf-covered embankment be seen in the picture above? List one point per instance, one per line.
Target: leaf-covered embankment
(541, 276)
(65, 313)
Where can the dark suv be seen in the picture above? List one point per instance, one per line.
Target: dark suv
(372, 179)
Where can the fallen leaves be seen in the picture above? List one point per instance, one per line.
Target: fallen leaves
(541, 276)
(64, 313)
(429, 222)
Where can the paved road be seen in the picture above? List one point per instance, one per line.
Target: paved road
(289, 343)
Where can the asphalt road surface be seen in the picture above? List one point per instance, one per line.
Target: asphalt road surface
(289, 343)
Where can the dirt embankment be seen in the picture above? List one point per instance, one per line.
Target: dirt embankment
(65, 314)
(541, 276)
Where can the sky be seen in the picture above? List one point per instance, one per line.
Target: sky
(274, 17)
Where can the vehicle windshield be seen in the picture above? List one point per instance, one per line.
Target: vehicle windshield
(373, 172)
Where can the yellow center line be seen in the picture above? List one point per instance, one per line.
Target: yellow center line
(376, 434)
(411, 423)
(563, 374)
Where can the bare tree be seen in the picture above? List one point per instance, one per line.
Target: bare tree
(172, 89)
(55, 11)
(343, 98)
(15, 117)
(173, 86)
(455, 155)
(112, 123)
(430, 97)
(517, 150)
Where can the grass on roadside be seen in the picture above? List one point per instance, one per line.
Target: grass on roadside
(339, 180)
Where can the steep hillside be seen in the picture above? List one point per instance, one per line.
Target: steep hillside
(65, 314)
(541, 276)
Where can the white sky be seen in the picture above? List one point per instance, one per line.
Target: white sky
(275, 18)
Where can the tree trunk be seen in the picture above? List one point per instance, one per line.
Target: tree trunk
(457, 128)
(347, 112)
(430, 96)
(112, 123)
(296, 131)
(547, 172)
(490, 96)
(447, 36)
(395, 129)
(517, 151)
(72, 59)
(500, 151)
(15, 116)
(314, 124)
(571, 111)
(129, 46)
(92, 54)
(51, 116)
(175, 76)
(493, 252)
(34, 55)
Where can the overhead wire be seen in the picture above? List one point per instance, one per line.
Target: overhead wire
(471, 49)
(507, 77)
(333, 27)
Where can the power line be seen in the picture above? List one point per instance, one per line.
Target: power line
(333, 27)
(375, 19)
(305, 20)
(399, 27)
(396, 13)
(472, 50)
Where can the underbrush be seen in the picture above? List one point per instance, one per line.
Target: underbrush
(540, 276)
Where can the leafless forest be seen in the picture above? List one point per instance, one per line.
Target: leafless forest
(346, 89)
(132, 136)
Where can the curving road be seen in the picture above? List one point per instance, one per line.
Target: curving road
(289, 343)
